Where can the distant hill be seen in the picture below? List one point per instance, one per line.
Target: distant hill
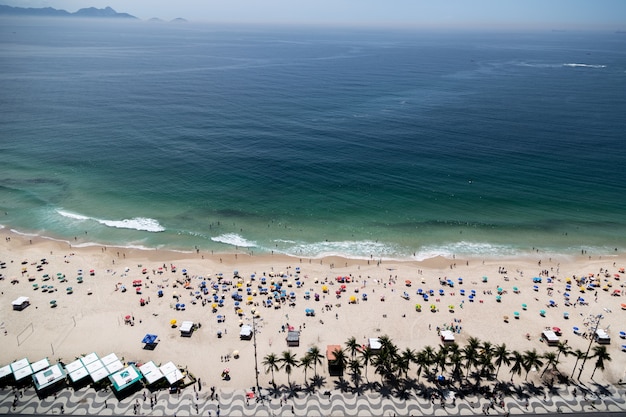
(49, 11)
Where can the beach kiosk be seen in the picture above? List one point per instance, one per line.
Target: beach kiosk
(334, 369)
(602, 337)
(186, 329)
(447, 336)
(21, 370)
(151, 373)
(49, 380)
(20, 303)
(293, 338)
(78, 373)
(246, 332)
(171, 373)
(125, 381)
(5, 371)
(550, 337)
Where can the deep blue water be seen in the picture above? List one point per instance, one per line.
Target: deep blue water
(313, 141)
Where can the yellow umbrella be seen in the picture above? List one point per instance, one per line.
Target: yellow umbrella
(173, 322)
(324, 288)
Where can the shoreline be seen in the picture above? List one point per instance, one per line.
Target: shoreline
(84, 323)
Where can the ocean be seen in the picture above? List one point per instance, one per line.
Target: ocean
(313, 141)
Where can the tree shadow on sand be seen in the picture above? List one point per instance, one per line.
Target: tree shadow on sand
(312, 384)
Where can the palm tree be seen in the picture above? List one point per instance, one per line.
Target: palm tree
(441, 358)
(425, 359)
(579, 354)
(367, 354)
(352, 346)
(518, 364)
(407, 357)
(502, 356)
(563, 348)
(470, 353)
(456, 361)
(288, 362)
(317, 357)
(601, 355)
(485, 358)
(271, 361)
(306, 362)
(531, 360)
(355, 371)
(552, 361)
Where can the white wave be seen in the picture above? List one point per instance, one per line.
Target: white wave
(575, 65)
(365, 249)
(137, 223)
(234, 240)
(73, 215)
(465, 249)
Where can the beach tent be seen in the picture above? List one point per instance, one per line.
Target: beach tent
(20, 303)
(447, 336)
(171, 373)
(246, 332)
(151, 372)
(150, 341)
(550, 337)
(186, 328)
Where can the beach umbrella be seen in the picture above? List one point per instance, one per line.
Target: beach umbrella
(506, 319)
(498, 298)
(173, 322)
(542, 313)
(565, 315)
(451, 308)
(623, 306)
(418, 307)
(524, 306)
(407, 283)
(516, 314)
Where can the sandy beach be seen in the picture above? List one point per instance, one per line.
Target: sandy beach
(92, 318)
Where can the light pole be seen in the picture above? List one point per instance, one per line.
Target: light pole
(256, 362)
(596, 321)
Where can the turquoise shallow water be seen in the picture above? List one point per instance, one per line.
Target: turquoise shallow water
(313, 141)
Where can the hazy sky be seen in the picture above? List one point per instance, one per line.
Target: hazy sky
(553, 14)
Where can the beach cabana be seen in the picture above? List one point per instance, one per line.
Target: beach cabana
(186, 329)
(602, 337)
(76, 371)
(447, 336)
(245, 333)
(20, 303)
(374, 343)
(550, 337)
(293, 338)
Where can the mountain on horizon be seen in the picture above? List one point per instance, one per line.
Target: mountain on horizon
(107, 12)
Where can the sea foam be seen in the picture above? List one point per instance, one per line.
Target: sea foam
(234, 239)
(136, 223)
